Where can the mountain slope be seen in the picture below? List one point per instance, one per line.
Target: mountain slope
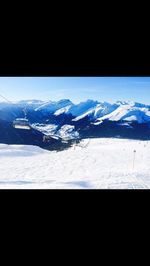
(66, 120)
(98, 110)
(128, 112)
(52, 107)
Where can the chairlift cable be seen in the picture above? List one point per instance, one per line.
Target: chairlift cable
(8, 102)
(14, 113)
(24, 110)
(4, 98)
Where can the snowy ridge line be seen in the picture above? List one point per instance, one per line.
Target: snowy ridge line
(127, 113)
(62, 110)
(67, 120)
(98, 111)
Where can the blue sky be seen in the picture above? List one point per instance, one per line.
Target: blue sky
(76, 89)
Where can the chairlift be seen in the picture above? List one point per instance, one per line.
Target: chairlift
(21, 123)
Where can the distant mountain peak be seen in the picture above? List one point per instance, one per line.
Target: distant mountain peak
(129, 102)
(64, 101)
(68, 120)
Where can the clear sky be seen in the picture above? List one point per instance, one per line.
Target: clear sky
(76, 89)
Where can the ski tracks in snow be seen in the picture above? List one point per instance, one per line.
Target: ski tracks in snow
(98, 163)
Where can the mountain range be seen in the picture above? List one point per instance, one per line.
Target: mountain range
(64, 120)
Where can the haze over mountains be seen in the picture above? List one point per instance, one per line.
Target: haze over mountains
(64, 120)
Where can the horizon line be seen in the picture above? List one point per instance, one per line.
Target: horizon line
(74, 102)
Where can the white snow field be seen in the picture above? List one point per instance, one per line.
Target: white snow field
(93, 163)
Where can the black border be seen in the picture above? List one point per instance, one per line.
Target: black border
(85, 61)
(54, 63)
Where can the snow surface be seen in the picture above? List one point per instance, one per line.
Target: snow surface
(49, 129)
(99, 110)
(127, 112)
(95, 110)
(93, 163)
(82, 107)
(83, 115)
(62, 110)
(68, 132)
(30, 102)
(52, 106)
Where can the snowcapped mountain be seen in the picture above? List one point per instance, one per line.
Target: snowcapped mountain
(93, 110)
(79, 109)
(52, 107)
(66, 106)
(63, 110)
(68, 132)
(30, 103)
(128, 112)
(66, 120)
(98, 110)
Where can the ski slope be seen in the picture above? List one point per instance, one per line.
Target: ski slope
(95, 163)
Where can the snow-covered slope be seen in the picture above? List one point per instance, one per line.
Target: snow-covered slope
(95, 163)
(121, 110)
(63, 110)
(30, 102)
(52, 107)
(89, 119)
(128, 112)
(68, 132)
(49, 129)
(94, 110)
(98, 110)
(79, 109)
